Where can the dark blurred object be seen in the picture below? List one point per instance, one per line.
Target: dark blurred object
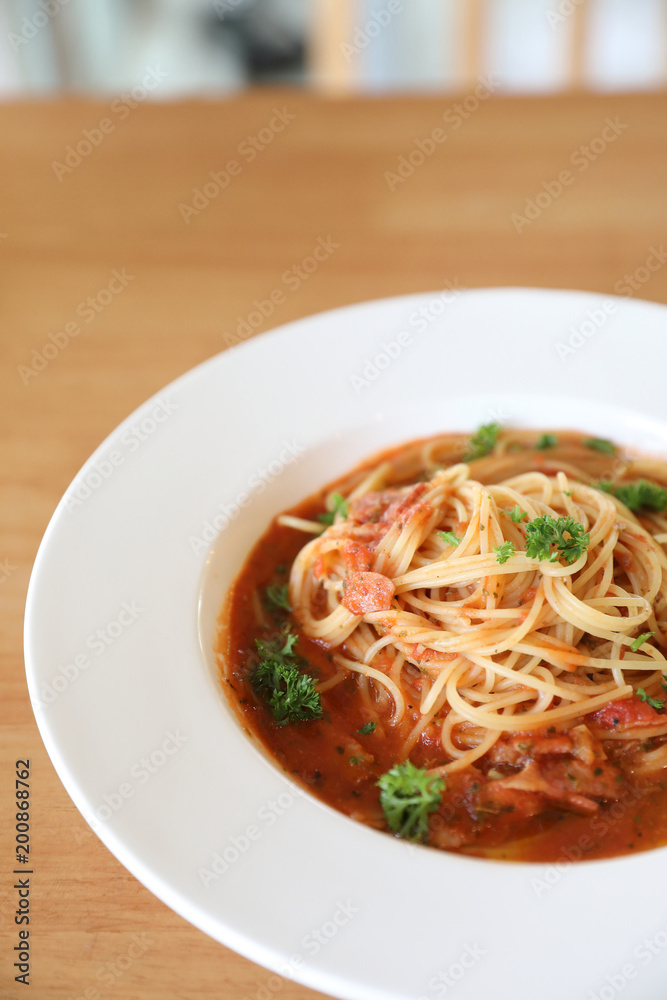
(270, 41)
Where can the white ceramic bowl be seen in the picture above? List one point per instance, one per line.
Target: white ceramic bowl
(131, 573)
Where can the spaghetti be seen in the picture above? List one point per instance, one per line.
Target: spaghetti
(467, 602)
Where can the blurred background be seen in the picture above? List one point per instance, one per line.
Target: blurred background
(211, 48)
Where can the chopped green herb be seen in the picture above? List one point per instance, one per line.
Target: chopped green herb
(356, 760)
(640, 640)
(566, 534)
(279, 596)
(639, 495)
(339, 505)
(276, 647)
(517, 514)
(367, 728)
(597, 772)
(601, 444)
(408, 795)
(504, 551)
(449, 537)
(289, 693)
(656, 703)
(547, 441)
(482, 442)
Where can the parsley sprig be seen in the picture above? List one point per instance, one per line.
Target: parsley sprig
(279, 596)
(339, 505)
(517, 514)
(657, 703)
(449, 537)
(289, 693)
(408, 795)
(482, 442)
(637, 496)
(568, 536)
(640, 640)
(367, 728)
(547, 441)
(504, 551)
(601, 445)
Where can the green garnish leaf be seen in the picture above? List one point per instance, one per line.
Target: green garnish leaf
(640, 640)
(504, 551)
(657, 703)
(639, 495)
(449, 537)
(517, 514)
(408, 796)
(482, 442)
(281, 646)
(356, 760)
(601, 444)
(565, 533)
(279, 596)
(339, 505)
(289, 693)
(547, 441)
(367, 728)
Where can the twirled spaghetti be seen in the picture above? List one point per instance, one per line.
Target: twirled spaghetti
(453, 641)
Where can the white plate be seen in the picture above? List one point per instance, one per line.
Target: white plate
(142, 738)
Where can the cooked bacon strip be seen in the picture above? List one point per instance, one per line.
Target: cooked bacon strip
(586, 747)
(358, 556)
(388, 506)
(519, 748)
(628, 713)
(366, 592)
(568, 783)
(539, 771)
(372, 507)
(408, 506)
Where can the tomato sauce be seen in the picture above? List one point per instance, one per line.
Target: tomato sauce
(332, 759)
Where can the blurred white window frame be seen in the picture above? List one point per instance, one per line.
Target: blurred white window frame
(355, 46)
(532, 45)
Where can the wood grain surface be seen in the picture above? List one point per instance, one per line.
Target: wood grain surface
(321, 170)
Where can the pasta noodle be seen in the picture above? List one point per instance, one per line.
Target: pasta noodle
(458, 627)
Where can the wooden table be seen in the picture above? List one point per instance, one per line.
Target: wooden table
(111, 239)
